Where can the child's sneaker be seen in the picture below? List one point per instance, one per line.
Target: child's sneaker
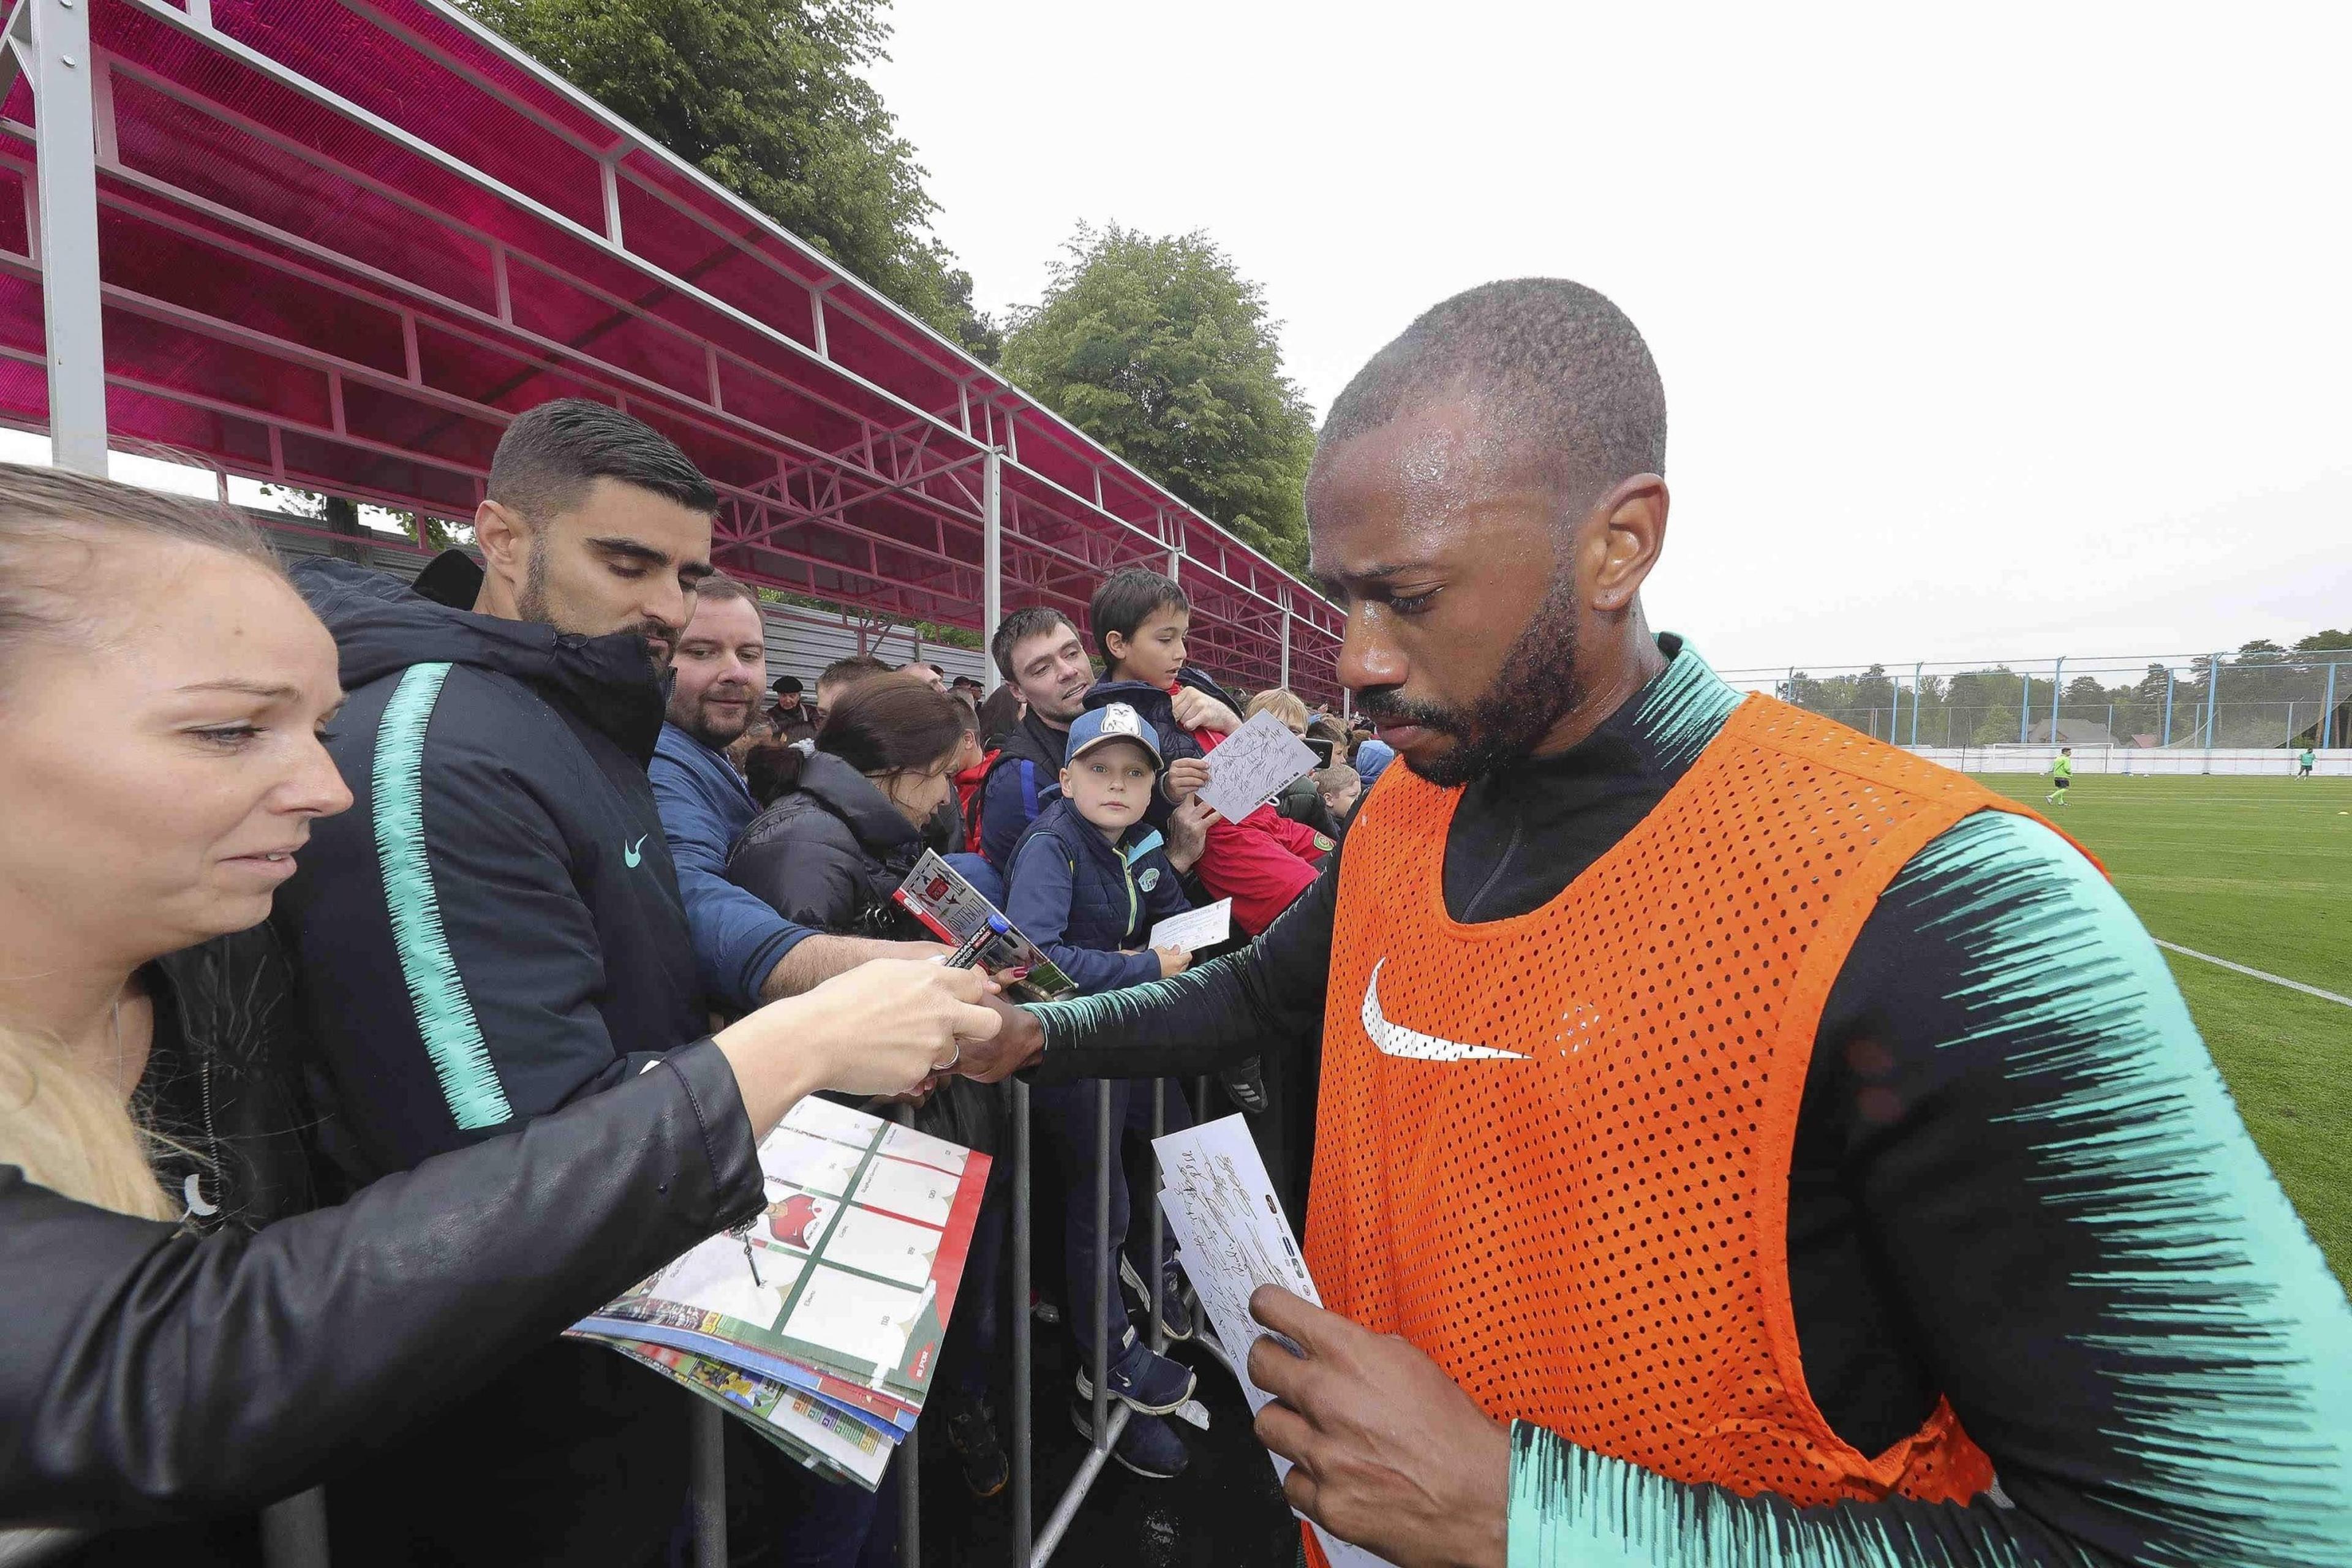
(972, 1433)
(1147, 1445)
(1141, 1376)
(1175, 1321)
(1245, 1085)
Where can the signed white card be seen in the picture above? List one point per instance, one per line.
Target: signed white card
(1196, 929)
(1252, 764)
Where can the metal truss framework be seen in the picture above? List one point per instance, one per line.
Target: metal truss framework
(339, 243)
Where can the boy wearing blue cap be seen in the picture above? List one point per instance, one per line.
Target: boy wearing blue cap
(1087, 881)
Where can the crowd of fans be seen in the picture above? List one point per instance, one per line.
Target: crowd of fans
(415, 967)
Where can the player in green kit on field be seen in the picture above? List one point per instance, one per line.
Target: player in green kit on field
(2303, 764)
(2061, 774)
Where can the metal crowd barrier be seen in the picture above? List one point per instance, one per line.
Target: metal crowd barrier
(295, 1531)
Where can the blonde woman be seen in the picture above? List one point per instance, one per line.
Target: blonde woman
(182, 1341)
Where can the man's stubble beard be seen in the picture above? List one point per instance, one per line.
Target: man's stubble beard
(1537, 687)
(532, 606)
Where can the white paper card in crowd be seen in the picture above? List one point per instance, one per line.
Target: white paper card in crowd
(1196, 929)
(1233, 1238)
(1252, 764)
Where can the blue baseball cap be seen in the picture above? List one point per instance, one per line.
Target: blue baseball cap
(1111, 722)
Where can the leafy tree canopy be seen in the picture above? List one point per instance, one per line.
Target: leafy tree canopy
(768, 97)
(1159, 348)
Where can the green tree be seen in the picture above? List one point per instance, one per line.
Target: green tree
(1159, 348)
(2325, 642)
(769, 98)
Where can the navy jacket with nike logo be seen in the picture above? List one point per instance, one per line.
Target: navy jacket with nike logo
(494, 929)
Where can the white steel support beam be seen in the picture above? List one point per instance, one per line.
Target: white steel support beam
(68, 140)
(991, 565)
(1285, 681)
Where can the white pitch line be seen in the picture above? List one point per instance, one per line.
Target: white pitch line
(2259, 974)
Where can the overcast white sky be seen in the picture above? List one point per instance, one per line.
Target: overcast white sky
(2008, 332)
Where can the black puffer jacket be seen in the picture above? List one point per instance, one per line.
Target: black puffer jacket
(156, 1373)
(828, 852)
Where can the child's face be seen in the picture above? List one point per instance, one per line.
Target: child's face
(1341, 795)
(1156, 652)
(1111, 784)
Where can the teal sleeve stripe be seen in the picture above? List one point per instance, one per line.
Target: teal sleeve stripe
(1571, 1508)
(445, 1016)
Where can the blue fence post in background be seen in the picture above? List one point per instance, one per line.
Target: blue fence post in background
(2024, 704)
(2212, 707)
(2327, 712)
(2168, 705)
(2057, 688)
(1914, 699)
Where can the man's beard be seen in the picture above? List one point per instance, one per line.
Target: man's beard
(1537, 687)
(660, 638)
(697, 721)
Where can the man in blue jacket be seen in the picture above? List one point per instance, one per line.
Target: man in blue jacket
(745, 952)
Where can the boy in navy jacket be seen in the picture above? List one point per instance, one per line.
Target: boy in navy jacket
(1087, 882)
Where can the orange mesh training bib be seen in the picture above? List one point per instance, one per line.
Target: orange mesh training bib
(1553, 1152)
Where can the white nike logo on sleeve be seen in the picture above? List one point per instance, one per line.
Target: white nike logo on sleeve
(1396, 1040)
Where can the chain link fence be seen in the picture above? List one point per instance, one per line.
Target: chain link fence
(2255, 699)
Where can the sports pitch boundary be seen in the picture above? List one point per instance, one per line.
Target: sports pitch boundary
(2257, 974)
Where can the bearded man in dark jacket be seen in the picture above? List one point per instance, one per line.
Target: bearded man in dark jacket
(495, 931)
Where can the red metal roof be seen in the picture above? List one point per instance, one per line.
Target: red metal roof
(343, 242)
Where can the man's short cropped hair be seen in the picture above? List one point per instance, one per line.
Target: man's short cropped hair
(1018, 627)
(849, 671)
(552, 454)
(718, 586)
(1565, 368)
(1128, 598)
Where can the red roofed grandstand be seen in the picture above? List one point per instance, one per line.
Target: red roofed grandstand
(339, 243)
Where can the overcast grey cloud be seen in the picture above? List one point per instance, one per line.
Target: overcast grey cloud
(1996, 330)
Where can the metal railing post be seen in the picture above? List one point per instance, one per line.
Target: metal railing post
(2057, 688)
(66, 139)
(1104, 1152)
(1159, 1275)
(2328, 711)
(992, 573)
(1023, 1351)
(1914, 699)
(707, 1436)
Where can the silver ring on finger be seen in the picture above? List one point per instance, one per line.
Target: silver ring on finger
(942, 1067)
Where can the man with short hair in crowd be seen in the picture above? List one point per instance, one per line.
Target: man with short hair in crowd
(495, 931)
(841, 675)
(930, 673)
(1040, 655)
(745, 952)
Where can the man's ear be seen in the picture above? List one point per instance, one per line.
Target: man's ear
(503, 538)
(1621, 550)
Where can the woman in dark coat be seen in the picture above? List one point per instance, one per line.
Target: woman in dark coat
(842, 826)
(185, 1344)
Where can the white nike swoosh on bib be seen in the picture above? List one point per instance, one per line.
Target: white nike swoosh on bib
(1396, 1040)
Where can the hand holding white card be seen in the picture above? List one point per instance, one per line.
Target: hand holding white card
(1252, 764)
(1232, 1237)
(1196, 929)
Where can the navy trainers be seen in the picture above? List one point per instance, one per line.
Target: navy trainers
(1147, 1445)
(1175, 1319)
(1141, 1376)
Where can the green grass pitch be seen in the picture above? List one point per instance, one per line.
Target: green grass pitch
(2257, 870)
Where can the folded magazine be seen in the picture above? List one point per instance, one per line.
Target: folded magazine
(957, 912)
(820, 1322)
